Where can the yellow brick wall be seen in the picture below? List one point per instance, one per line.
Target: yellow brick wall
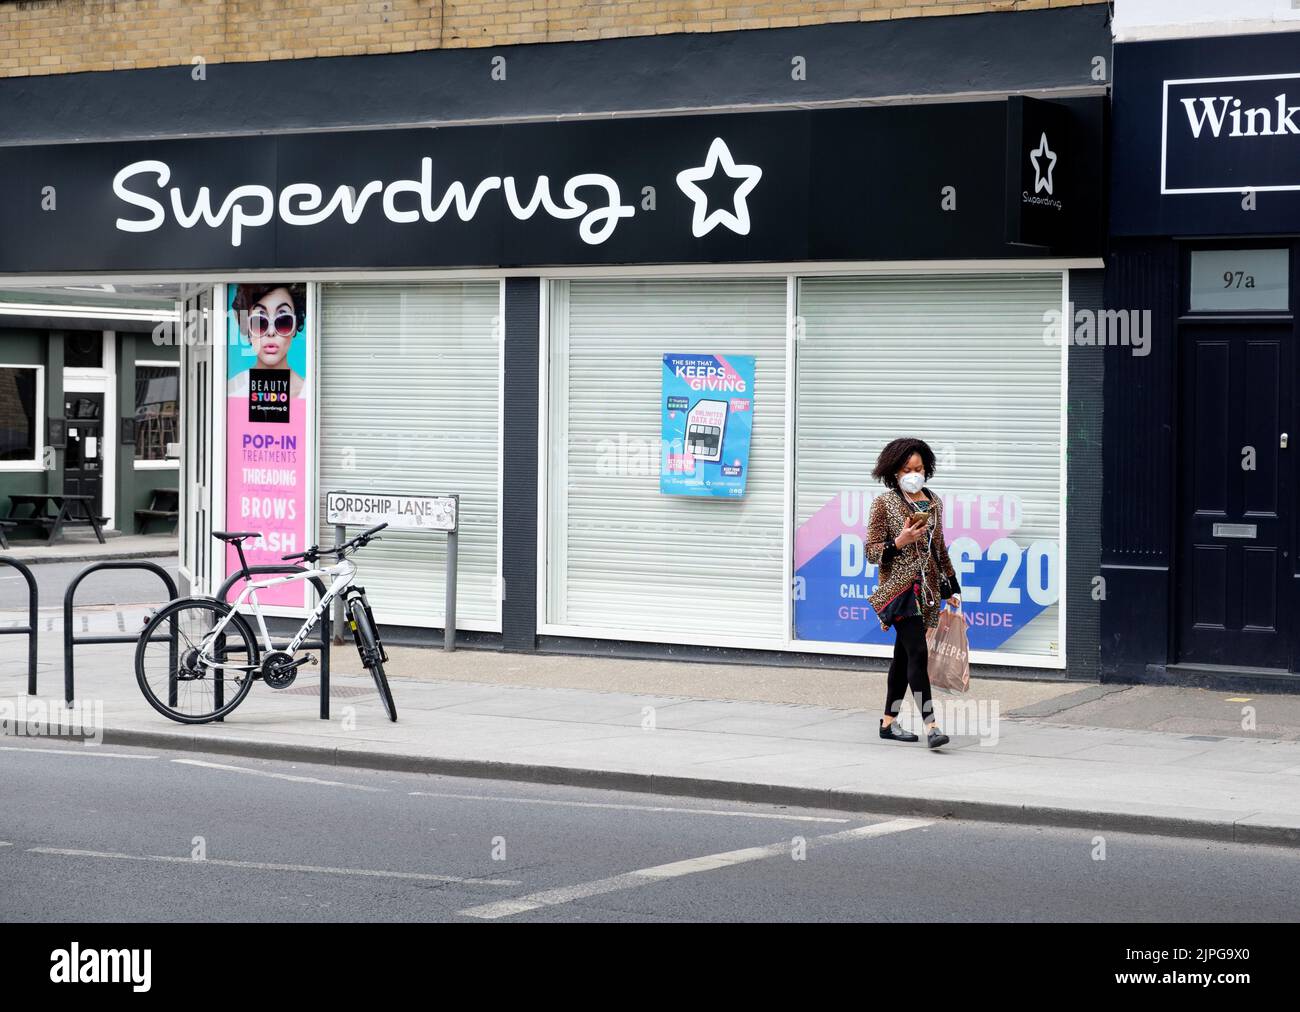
(66, 36)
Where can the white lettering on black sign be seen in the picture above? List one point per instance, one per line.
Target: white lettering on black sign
(1231, 134)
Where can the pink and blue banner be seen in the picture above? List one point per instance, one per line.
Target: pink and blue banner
(1005, 586)
(269, 402)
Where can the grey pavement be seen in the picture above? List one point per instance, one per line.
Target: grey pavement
(999, 767)
(81, 546)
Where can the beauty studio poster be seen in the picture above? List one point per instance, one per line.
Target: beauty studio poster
(268, 404)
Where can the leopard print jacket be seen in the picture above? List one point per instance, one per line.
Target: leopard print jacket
(915, 580)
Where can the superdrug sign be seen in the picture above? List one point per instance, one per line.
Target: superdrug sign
(884, 183)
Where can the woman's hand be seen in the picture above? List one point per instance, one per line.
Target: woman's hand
(911, 533)
(955, 600)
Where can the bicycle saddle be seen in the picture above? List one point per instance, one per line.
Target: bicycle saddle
(233, 537)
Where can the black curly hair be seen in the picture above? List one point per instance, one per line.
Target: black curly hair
(896, 454)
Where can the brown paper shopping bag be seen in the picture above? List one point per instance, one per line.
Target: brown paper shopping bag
(949, 661)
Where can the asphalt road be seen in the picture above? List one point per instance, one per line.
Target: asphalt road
(111, 833)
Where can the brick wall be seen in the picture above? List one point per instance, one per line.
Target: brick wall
(67, 36)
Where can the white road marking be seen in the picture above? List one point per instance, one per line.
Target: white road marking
(89, 750)
(5, 843)
(278, 776)
(266, 866)
(659, 873)
(629, 808)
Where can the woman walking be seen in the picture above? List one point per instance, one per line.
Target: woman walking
(905, 539)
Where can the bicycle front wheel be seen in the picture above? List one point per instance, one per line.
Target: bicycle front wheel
(371, 656)
(180, 671)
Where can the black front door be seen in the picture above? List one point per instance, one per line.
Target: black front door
(1236, 494)
(83, 463)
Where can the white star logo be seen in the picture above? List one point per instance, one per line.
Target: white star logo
(688, 179)
(1041, 181)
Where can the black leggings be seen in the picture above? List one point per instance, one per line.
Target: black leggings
(910, 667)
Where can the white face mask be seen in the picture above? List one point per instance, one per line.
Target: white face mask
(912, 482)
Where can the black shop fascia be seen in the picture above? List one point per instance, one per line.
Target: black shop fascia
(999, 179)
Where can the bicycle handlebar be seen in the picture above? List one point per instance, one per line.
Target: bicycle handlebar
(315, 551)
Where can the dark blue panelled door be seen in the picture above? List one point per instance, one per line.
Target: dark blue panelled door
(1236, 494)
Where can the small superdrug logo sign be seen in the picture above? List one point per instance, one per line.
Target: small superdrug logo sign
(1037, 198)
(268, 395)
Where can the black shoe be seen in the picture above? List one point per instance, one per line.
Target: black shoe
(936, 738)
(896, 733)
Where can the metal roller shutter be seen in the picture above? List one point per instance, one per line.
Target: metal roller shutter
(410, 402)
(623, 560)
(962, 362)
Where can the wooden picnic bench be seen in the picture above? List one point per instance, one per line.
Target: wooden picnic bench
(53, 511)
(164, 505)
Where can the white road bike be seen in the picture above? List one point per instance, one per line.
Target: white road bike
(197, 657)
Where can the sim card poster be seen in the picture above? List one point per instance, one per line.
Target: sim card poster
(708, 420)
(268, 405)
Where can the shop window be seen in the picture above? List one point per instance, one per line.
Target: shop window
(964, 363)
(157, 410)
(410, 402)
(20, 420)
(627, 557)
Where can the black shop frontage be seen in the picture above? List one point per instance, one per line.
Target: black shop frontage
(494, 311)
(1200, 569)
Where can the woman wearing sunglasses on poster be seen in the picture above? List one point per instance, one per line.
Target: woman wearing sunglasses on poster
(270, 317)
(905, 539)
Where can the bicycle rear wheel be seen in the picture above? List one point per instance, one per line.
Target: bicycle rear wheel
(169, 667)
(371, 656)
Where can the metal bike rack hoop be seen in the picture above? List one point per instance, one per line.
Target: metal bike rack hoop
(70, 640)
(33, 613)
